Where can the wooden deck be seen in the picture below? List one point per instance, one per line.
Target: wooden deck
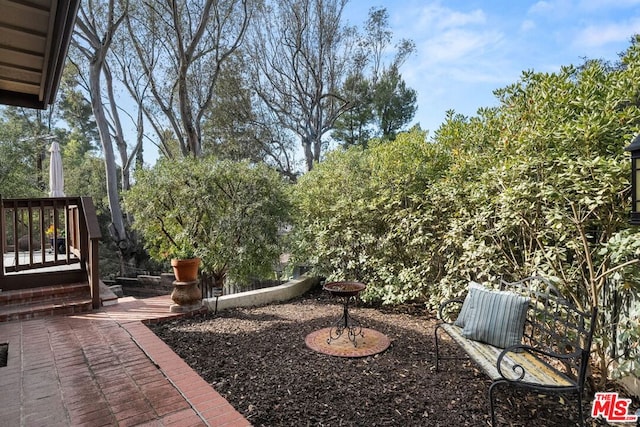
(27, 226)
(23, 258)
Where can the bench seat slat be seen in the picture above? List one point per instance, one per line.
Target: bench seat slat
(486, 355)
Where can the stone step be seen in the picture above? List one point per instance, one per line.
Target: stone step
(45, 301)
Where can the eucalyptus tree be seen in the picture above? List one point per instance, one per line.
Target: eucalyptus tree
(178, 51)
(81, 152)
(300, 52)
(96, 26)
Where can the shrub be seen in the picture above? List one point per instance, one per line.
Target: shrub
(227, 213)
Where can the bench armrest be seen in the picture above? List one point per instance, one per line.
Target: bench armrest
(519, 370)
(446, 306)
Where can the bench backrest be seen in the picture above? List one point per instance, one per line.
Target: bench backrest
(555, 325)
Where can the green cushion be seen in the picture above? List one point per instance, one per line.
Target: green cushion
(495, 317)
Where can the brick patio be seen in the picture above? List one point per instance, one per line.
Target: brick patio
(103, 368)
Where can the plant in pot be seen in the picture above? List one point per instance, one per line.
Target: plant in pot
(184, 261)
(226, 213)
(56, 237)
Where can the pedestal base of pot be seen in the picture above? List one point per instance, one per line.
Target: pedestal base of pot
(186, 296)
(175, 308)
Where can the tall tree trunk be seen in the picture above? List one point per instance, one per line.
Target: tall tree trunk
(192, 137)
(95, 31)
(121, 144)
(180, 60)
(117, 228)
(300, 53)
(308, 154)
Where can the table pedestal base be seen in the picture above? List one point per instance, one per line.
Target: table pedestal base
(346, 323)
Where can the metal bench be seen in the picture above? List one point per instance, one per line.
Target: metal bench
(553, 355)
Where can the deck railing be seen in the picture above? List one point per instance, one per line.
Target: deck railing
(37, 234)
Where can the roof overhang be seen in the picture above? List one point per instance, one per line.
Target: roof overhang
(34, 40)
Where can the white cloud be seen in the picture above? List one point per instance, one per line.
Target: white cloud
(527, 25)
(458, 44)
(436, 17)
(451, 19)
(603, 34)
(541, 7)
(445, 36)
(606, 4)
(552, 8)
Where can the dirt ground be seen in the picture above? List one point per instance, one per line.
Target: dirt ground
(257, 359)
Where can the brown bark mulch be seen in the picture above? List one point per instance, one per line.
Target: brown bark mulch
(257, 359)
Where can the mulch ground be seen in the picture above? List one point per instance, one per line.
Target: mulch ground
(257, 359)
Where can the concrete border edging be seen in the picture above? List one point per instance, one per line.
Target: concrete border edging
(286, 291)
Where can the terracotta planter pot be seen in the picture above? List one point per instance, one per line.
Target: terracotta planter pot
(185, 270)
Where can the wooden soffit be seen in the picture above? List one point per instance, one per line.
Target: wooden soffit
(34, 39)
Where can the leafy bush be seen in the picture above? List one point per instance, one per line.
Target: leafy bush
(538, 184)
(360, 215)
(227, 213)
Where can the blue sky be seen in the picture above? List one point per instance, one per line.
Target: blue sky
(467, 49)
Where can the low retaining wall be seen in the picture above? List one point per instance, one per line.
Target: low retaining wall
(144, 286)
(284, 292)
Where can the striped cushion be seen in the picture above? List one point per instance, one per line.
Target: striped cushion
(495, 317)
(464, 311)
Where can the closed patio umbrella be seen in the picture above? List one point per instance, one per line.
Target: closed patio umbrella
(56, 176)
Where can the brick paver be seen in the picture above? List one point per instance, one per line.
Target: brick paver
(104, 368)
